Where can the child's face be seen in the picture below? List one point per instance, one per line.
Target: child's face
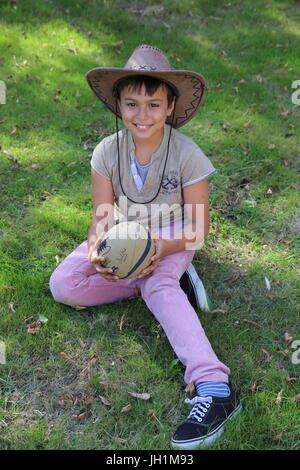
(145, 115)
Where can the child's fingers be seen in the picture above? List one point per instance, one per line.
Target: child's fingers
(149, 269)
(98, 259)
(107, 273)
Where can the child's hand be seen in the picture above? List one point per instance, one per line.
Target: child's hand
(160, 252)
(96, 261)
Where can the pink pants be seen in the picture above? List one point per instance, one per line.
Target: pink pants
(75, 282)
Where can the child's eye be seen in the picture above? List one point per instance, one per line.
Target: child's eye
(131, 105)
(154, 105)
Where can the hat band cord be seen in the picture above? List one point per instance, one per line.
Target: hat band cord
(166, 159)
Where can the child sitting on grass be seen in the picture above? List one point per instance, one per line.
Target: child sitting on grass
(150, 165)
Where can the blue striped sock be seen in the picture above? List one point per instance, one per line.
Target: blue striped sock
(215, 389)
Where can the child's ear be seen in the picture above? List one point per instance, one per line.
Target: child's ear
(171, 107)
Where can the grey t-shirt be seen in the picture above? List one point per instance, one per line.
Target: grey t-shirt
(186, 165)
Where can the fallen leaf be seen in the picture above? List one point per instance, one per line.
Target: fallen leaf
(285, 352)
(190, 388)
(73, 49)
(152, 415)
(71, 164)
(278, 398)
(91, 363)
(252, 387)
(271, 146)
(297, 397)
(122, 322)
(269, 192)
(105, 401)
(16, 166)
(14, 131)
(88, 400)
(44, 195)
(268, 284)
(285, 114)
(219, 310)
(68, 398)
(235, 276)
(67, 358)
(269, 357)
(118, 43)
(288, 338)
(247, 124)
(251, 322)
(34, 327)
(36, 166)
(26, 320)
(80, 416)
(121, 440)
(126, 408)
(9, 156)
(153, 10)
(79, 307)
(142, 396)
(290, 379)
(105, 385)
(11, 306)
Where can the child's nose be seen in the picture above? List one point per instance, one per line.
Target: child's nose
(142, 112)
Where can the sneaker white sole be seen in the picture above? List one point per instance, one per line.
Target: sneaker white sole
(200, 293)
(209, 438)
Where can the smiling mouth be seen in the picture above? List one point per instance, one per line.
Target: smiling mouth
(143, 127)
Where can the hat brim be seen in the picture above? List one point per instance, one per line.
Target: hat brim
(189, 86)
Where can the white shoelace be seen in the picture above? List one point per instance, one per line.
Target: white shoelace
(201, 405)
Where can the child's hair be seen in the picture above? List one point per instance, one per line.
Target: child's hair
(136, 82)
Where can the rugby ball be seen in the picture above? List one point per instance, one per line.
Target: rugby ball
(127, 248)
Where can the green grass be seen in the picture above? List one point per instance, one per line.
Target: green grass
(249, 53)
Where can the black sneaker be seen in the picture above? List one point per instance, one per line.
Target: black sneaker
(206, 421)
(192, 286)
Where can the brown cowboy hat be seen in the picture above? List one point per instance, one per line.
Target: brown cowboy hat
(189, 87)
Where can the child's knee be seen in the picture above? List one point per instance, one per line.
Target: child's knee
(60, 289)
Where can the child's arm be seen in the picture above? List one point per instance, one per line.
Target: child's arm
(102, 220)
(194, 196)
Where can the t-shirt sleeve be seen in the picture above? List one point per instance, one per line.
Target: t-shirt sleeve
(196, 168)
(98, 162)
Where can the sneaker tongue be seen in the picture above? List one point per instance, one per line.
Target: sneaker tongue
(198, 399)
